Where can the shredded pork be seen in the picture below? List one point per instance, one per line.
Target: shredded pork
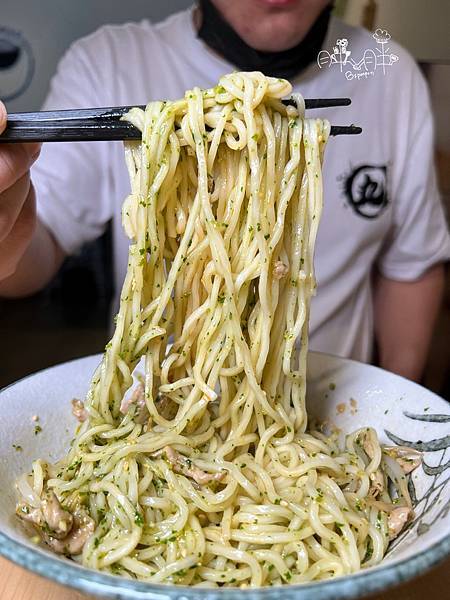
(79, 411)
(64, 532)
(369, 444)
(280, 270)
(397, 519)
(58, 520)
(408, 458)
(377, 486)
(184, 465)
(137, 398)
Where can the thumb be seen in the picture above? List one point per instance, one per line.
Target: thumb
(2, 117)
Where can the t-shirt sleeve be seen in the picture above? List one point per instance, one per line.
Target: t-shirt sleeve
(419, 236)
(71, 178)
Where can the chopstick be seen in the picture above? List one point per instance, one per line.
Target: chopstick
(105, 124)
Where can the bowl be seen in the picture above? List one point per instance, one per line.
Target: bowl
(344, 392)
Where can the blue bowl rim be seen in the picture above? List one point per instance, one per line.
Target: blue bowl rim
(347, 587)
(95, 582)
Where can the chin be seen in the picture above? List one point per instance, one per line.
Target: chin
(272, 25)
(272, 40)
(273, 47)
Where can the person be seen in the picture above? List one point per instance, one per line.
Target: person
(382, 240)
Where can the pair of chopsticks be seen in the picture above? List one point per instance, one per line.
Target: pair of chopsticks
(103, 124)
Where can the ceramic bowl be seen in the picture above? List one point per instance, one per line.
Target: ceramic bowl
(347, 393)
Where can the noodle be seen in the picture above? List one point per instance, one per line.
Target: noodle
(202, 472)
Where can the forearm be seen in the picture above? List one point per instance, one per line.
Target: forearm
(405, 314)
(37, 266)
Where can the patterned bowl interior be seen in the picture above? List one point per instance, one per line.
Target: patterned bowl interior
(346, 393)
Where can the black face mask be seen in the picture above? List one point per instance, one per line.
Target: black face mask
(220, 36)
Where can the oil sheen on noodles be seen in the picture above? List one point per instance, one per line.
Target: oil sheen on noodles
(202, 471)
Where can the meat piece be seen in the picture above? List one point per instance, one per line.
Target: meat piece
(181, 219)
(79, 411)
(377, 480)
(49, 516)
(125, 404)
(408, 458)
(58, 520)
(138, 398)
(280, 270)
(73, 543)
(397, 519)
(184, 465)
(64, 532)
(387, 507)
(133, 398)
(369, 442)
(32, 515)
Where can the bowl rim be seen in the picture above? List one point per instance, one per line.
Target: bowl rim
(90, 581)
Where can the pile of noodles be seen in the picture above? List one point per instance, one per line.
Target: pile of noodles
(201, 472)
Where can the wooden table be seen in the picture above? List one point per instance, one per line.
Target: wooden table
(17, 584)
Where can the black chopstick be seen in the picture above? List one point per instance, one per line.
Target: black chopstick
(116, 112)
(105, 124)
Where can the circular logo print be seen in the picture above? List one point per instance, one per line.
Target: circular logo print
(365, 189)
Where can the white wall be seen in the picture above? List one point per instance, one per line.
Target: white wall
(51, 25)
(421, 26)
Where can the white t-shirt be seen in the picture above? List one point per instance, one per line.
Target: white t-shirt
(381, 203)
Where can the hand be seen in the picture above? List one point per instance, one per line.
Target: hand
(17, 200)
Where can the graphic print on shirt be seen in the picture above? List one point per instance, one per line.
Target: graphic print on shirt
(365, 190)
(366, 65)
